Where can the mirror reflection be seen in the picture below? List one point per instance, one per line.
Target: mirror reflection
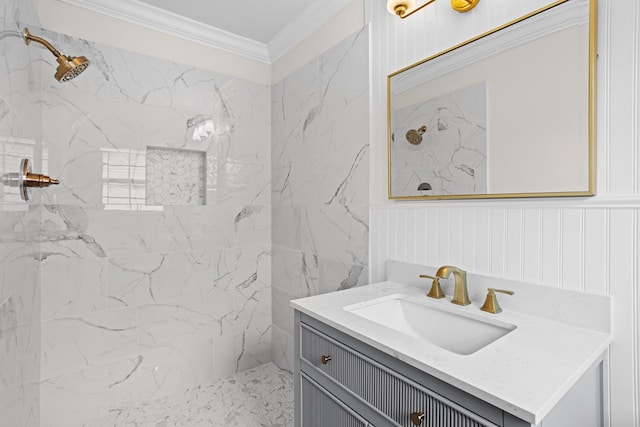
(508, 114)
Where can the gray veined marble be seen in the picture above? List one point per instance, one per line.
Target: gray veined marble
(20, 239)
(452, 157)
(320, 175)
(126, 102)
(122, 304)
(320, 145)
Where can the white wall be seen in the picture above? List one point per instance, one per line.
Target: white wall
(587, 244)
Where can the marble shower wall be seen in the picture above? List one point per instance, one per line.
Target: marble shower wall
(141, 301)
(320, 197)
(20, 136)
(452, 157)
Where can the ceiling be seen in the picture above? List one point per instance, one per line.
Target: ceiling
(258, 20)
(262, 30)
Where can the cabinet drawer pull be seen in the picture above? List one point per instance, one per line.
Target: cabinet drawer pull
(325, 359)
(417, 417)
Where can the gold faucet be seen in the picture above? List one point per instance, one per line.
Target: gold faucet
(460, 293)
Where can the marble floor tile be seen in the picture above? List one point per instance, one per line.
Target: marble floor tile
(258, 397)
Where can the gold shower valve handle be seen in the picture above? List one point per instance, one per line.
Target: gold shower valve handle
(417, 418)
(491, 302)
(25, 180)
(36, 180)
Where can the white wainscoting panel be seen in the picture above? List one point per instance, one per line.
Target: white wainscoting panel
(587, 244)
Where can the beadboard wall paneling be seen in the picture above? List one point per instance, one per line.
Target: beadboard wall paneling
(588, 244)
(593, 250)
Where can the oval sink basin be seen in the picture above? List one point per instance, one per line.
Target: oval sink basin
(457, 332)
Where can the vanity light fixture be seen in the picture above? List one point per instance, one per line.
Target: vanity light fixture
(406, 8)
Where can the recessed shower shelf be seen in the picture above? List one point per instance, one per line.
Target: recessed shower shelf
(175, 177)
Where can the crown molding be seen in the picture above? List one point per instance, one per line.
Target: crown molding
(303, 26)
(157, 19)
(154, 18)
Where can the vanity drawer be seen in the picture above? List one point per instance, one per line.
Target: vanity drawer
(321, 409)
(388, 392)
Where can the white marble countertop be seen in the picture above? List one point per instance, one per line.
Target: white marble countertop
(525, 373)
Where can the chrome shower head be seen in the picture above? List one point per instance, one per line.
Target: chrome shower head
(69, 66)
(414, 136)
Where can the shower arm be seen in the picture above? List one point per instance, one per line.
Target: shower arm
(28, 38)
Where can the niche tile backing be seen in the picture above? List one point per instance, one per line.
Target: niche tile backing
(175, 177)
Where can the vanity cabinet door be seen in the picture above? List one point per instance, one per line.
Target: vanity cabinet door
(321, 409)
(396, 397)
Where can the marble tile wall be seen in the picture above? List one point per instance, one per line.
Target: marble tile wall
(20, 136)
(141, 301)
(452, 157)
(109, 302)
(320, 192)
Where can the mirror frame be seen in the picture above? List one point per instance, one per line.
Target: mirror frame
(593, 13)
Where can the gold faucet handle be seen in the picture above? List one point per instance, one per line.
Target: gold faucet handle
(491, 302)
(436, 290)
(38, 180)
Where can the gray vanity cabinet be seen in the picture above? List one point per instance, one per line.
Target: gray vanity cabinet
(321, 408)
(341, 381)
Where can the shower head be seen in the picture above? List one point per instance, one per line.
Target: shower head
(69, 66)
(414, 136)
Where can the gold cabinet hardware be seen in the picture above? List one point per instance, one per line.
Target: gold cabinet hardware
(325, 359)
(491, 303)
(417, 418)
(436, 290)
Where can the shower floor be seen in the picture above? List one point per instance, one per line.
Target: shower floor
(261, 396)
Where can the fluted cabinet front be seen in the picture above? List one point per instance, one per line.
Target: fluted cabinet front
(321, 409)
(336, 378)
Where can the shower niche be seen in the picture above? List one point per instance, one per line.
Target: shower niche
(175, 176)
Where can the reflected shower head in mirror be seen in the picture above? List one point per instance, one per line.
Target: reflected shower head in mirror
(69, 66)
(414, 136)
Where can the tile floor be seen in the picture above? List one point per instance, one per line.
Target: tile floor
(259, 397)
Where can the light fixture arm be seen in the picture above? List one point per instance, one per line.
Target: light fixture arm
(28, 38)
(406, 15)
(403, 9)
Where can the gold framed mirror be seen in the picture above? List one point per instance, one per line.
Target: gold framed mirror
(507, 114)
